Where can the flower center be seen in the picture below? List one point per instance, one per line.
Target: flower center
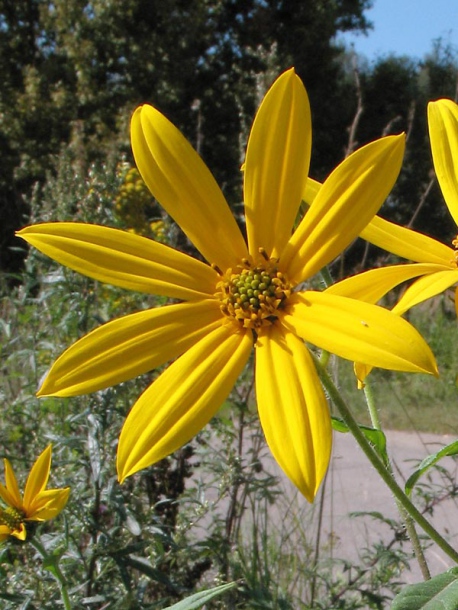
(252, 295)
(11, 517)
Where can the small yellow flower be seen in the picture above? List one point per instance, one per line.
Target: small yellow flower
(38, 503)
(436, 263)
(251, 293)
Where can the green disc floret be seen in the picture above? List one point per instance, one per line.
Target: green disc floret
(11, 517)
(253, 295)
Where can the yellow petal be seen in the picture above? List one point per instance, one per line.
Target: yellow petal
(5, 532)
(395, 239)
(372, 285)
(123, 259)
(361, 372)
(11, 495)
(20, 533)
(183, 185)
(358, 331)
(276, 165)
(182, 400)
(406, 243)
(130, 346)
(38, 478)
(346, 202)
(293, 409)
(312, 188)
(425, 288)
(48, 504)
(443, 133)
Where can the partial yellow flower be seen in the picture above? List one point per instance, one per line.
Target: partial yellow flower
(247, 295)
(436, 263)
(37, 504)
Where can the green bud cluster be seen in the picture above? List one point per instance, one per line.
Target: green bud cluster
(253, 296)
(250, 289)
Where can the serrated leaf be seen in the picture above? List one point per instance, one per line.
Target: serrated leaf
(376, 437)
(439, 593)
(199, 599)
(429, 461)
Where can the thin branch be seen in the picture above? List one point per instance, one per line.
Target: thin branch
(352, 142)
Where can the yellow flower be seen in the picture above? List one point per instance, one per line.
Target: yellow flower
(434, 261)
(38, 503)
(248, 295)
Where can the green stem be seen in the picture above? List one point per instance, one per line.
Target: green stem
(326, 277)
(405, 516)
(414, 540)
(378, 464)
(51, 563)
(370, 401)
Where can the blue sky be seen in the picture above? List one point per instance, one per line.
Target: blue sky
(408, 27)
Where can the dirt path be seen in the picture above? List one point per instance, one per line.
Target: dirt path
(353, 485)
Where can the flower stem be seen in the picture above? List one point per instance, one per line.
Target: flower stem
(378, 464)
(405, 516)
(51, 563)
(370, 401)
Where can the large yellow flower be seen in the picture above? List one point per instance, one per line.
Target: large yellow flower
(38, 503)
(246, 296)
(436, 263)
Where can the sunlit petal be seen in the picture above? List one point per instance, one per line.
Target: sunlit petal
(406, 243)
(312, 188)
(372, 285)
(443, 133)
(359, 331)
(182, 400)
(276, 165)
(38, 478)
(12, 486)
(346, 202)
(292, 408)
(181, 182)
(123, 259)
(48, 504)
(393, 238)
(425, 288)
(8, 498)
(130, 346)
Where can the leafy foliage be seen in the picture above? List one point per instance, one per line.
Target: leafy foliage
(440, 592)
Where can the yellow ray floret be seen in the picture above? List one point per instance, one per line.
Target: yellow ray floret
(37, 504)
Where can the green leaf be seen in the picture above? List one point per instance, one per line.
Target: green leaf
(144, 567)
(199, 599)
(376, 437)
(429, 461)
(439, 593)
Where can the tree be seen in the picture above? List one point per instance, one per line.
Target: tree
(73, 71)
